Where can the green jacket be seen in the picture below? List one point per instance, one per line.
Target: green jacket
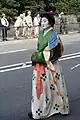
(37, 57)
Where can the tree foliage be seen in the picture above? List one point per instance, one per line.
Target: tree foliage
(15, 7)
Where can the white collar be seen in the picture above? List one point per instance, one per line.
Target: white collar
(46, 31)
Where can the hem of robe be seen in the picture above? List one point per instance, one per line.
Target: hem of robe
(52, 114)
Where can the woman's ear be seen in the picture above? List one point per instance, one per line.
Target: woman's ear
(52, 25)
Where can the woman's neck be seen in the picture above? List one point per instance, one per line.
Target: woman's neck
(46, 30)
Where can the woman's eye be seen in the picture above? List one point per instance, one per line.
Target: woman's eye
(43, 21)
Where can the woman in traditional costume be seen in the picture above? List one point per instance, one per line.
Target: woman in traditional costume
(49, 94)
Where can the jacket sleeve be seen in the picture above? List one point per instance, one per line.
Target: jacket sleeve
(56, 52)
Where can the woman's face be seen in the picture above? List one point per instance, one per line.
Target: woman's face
(45, 23)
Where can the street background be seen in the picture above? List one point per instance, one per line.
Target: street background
(16, 73)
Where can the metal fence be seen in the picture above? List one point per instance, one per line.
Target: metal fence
(11, 31)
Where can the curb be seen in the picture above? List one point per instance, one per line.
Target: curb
(12, 41)
(24, 40)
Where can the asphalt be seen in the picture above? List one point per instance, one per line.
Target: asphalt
(15, 93)
(15, 87)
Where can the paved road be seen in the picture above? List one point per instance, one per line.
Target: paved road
(15, 85)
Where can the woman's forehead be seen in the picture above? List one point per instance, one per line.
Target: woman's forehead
(44, 19)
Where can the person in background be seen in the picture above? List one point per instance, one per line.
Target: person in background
(17, 25)
(25, 27)
(78, 20)
(49, 94)
(29, 24)
(63, 23)
(36, 23)
(4, 24)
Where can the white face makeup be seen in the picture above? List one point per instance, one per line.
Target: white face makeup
(45, 23)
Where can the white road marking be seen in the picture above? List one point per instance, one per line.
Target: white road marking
(68, 58)
(14, 65)
(20, 50)
(75, 66)
(12, 69)
(71, 54)
(28, 64)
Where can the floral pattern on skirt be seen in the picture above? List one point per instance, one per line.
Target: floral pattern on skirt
(53, 98)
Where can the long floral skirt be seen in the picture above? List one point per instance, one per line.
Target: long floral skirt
(49, 94)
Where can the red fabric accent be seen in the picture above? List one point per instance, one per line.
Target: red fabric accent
(39, 86)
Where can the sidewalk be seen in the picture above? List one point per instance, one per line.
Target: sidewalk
(66, 39)
(11, 39)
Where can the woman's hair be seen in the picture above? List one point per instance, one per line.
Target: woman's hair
(50, 18)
